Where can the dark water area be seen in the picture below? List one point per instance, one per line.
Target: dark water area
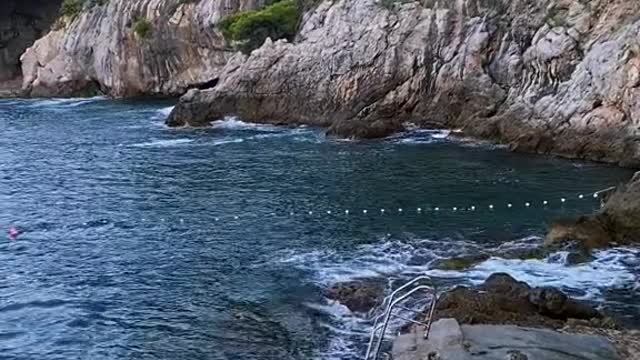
(143, 242)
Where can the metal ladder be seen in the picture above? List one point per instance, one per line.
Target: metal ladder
(390, 303)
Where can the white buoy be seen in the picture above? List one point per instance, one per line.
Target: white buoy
(509, 205)
(235, 218)
(346, 212)
(545, 202)
(455, 208)
(310, 212)
(329, 212)
(437, 209)
(291, 213)
(399, 209)
(490, 207)
(580, 196)
(473, 208)
(181, 221)
(563, 200)
(364, 211)
(419, 209)
(382, 211)
(216, 219)
(595, 195)
(527, 204)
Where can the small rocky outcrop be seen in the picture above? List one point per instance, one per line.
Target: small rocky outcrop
(357, 295)
(617, 223)
(554, 76)
(503, 300)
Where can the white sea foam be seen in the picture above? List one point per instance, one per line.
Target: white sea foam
(233, 123)
(416, 136)
(609, 269)
(225, 141)
(64, 102)
(163, 143)
(164, 112)
(403, 259)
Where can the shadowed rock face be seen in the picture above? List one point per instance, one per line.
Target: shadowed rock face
(617, 223)
(22, 22)
(100, 51)
(553, 76)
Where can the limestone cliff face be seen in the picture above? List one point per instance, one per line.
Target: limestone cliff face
(21, 23)
(547, 76)
(99, 50)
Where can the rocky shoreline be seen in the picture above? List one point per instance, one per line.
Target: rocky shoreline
(553, 77)
(557, 77)
(514, 306)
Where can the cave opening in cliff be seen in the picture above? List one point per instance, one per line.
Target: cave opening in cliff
(22, 22)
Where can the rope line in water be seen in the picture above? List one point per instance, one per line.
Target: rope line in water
(545, 204)
(370, 213)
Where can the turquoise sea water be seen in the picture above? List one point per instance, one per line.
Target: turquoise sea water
(143, 242)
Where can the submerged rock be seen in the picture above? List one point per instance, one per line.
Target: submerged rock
(357, 295)
(503, 300)
(460, 263)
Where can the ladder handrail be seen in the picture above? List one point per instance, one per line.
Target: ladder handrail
(387, 300)
(391, 302)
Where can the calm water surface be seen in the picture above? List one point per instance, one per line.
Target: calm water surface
(142, 242)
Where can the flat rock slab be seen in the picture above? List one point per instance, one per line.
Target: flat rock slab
(500, 342)
(450, 341)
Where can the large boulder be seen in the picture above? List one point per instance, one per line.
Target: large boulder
(501, 299)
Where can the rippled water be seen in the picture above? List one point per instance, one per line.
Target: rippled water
(142, 242)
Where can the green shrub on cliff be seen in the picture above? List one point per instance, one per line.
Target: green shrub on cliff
(142, 27)
(71, 8)
(249, 29)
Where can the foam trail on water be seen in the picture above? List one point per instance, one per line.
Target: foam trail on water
(64, 102)
(163, 143)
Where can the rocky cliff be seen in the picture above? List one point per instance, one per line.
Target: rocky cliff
(549, 76)
(127, 48)
(21, 23)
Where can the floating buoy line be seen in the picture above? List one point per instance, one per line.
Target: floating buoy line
(421, 210)
(377, 213)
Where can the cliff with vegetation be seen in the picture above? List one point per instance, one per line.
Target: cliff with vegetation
(128, 48)
(552, 76)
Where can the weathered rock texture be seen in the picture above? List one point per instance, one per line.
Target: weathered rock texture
(617, 223)
(358, 295)
(503, 300)
(100, 51)
(548, 76)
(21, 23)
